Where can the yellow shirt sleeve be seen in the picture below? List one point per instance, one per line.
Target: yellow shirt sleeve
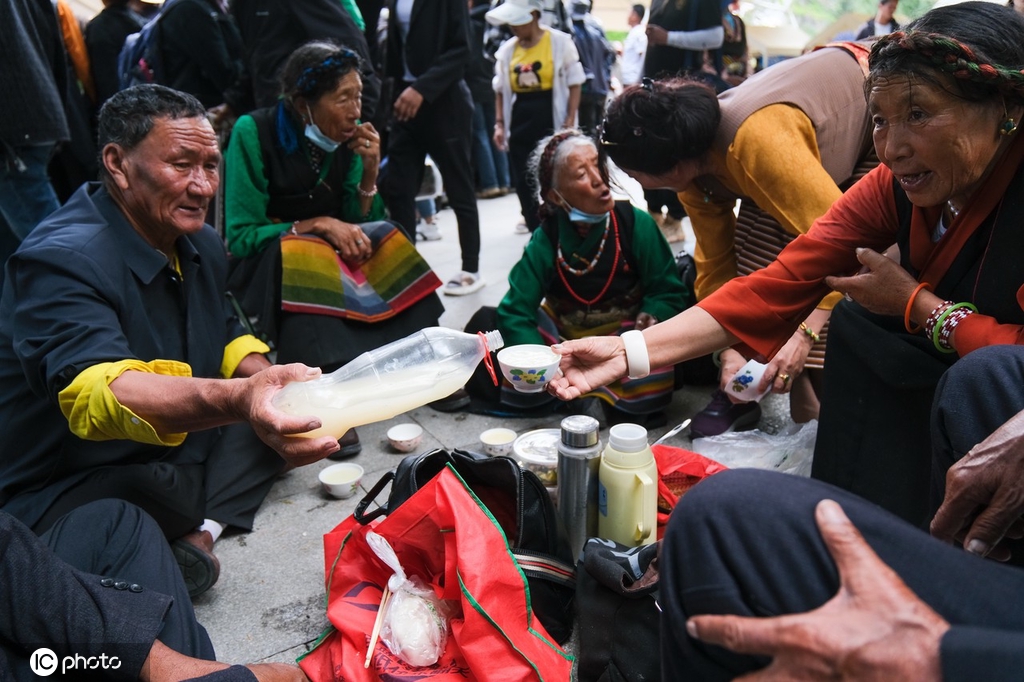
(236, 351)
(714, 226)
(94, 413)
(774, 160)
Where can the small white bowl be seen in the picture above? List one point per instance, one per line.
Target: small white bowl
(405, 437)
(498, 442)
(528, 367)
(341, 480)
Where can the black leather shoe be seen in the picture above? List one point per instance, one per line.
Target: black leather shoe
(453, 403)
(350, 446)
(199, 566)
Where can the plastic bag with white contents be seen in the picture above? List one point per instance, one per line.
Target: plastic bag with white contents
(415, 622)
(789, 451)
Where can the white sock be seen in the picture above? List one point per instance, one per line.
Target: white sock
(215, 528)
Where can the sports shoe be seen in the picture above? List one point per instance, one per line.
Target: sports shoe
(722, 415)
(350, 446)
(464, 283)
(521, 228)
(489, 193)
(199, 566)
(673, 229)
(428, 232)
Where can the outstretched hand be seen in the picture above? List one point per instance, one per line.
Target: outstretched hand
(279, 429)
(882, 286)
(587, 364)
(984, 498)
(874, 628)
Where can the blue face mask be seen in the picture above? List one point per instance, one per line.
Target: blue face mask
(317, 137)
(578, 216)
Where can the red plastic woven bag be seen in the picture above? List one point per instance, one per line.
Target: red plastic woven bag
(447, 537)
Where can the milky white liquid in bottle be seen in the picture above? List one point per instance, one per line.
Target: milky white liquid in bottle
(409, 373)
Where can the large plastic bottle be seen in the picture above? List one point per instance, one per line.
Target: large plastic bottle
(423, 367)
(628, 488)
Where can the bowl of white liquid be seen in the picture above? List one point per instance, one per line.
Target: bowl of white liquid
(528, 367)
(341, 480)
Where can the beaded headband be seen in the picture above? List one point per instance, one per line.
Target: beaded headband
(342, 60)
(953, 57)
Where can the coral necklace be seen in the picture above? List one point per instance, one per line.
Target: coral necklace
(612, 225)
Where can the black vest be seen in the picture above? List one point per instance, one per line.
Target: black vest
(296, 191)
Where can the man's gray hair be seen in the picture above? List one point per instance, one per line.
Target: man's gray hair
(128, 116)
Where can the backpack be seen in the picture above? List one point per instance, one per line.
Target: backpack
(520, 503)
(141, 60)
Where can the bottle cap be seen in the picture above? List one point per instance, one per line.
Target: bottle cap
(580, 431)
(627, 438)
(494, 340)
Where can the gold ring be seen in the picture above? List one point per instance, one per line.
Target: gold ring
(784, 377)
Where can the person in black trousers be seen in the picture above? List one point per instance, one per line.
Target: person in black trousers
(102, 587)
(903, 602)
(427, 52)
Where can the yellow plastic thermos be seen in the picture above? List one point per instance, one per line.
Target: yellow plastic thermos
(628, 488)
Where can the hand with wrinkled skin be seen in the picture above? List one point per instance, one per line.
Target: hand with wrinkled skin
(789, 360)
(732, 361)
(587, 364)
(984, 498)
(874, 628)
(645, 320)
(347, 239)
(408, 104)
(656, 35)
(882, 286)
(278, 429)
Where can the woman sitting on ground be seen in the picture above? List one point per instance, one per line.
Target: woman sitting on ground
(773, 143)
(596, 266)
(945, 98)
(325, 274)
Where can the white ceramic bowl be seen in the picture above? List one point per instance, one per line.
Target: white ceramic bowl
(497, 442)
(528, 367)
(341, 480)
(405, 437)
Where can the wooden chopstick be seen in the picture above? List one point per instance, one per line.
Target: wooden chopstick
(385, 597)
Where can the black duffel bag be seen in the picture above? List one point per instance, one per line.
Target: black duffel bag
(519, 502)
(619, 618)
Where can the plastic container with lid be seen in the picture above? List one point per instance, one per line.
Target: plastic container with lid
(537, 451)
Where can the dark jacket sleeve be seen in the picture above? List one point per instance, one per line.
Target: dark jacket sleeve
(328, 19)
(192, 29)
(436, 49)
(47, 603)
(971, 653)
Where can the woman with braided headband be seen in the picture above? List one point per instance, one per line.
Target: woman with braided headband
(306, 225)
(595, 266)
(945, 98)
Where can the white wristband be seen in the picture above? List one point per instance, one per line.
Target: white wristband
(638, 362)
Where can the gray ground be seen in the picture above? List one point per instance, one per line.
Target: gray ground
(269, 602)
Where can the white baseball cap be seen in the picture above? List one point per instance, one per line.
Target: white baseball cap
(514, 12)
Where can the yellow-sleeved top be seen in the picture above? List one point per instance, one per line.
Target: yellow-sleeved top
(788, 137)
(87, 298)
(774, 162)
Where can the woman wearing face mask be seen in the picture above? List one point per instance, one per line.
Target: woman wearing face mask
(595, 266)
(327, 277)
